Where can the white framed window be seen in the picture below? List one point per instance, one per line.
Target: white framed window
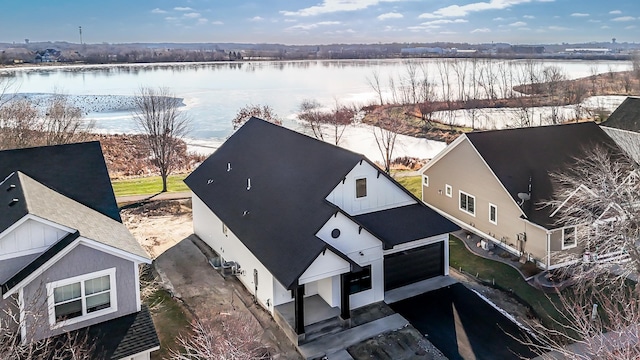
(361, 188)
(468, 203)
(425, 180)
(448, 190)
(569, 238)
(82, 297)
(493, 214)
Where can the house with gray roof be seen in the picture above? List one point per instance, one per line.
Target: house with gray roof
(492, 183)
(311, 229)
(72, 267)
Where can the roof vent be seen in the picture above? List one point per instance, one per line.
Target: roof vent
(210, 181)
(11, 187)
(228, 166)
(13, 202)
(249, 184)
(245, 213)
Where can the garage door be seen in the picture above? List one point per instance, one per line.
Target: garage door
(406, 267)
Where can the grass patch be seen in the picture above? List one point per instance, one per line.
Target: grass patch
(505, 277)
(413, 184)
(148, 185)
(170, 319)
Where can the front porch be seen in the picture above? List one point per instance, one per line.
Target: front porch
(319, 319)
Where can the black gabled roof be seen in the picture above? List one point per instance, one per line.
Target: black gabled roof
(13, 207)
(77, 171)
(406, 223)
(291, 175)
(626, 116)
(120, 337)
(517, 155)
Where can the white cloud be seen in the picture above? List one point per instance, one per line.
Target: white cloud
(158, 11)
(202, 21)
(518, 24)
(528, 16)
(332, 6)
(179, 8)
(193, 15)
(217, 22)
(579, 15)
(499, 18)
(481, 30)
(313, 26)
(624, 18)
(557, 28)
(390, 15)
(171, 18)
(604, 27)
(615, 12)
(630, 27)
(594, 21)
(444, 21)
(464, 10)
(256, 18)
(447, 32)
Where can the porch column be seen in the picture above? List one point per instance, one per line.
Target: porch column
(299, 309)
(345, 312)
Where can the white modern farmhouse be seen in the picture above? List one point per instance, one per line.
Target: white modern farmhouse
(312, 228)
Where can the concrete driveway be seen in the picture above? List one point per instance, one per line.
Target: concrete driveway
(462, 325)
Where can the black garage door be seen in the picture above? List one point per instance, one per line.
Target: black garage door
(406, 267)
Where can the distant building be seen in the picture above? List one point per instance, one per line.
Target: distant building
(523, 49)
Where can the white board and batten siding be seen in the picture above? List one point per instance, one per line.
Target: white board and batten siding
(382, 194)
(361, 247)
(210, 229)
(29, 237)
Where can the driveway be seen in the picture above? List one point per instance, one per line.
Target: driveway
(462, 325)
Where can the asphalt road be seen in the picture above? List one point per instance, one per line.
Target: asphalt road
(462, 325)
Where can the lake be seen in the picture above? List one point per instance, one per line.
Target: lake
(213, 92)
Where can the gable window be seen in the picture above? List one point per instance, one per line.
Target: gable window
(448, 190)
(425, 180)
(569, 239)
(361, 188)
(468, 203)
(82, 297)
(359, 281)
(493, 214)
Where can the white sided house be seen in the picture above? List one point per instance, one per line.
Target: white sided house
(312, 230)
(67, 267)
(492, 183)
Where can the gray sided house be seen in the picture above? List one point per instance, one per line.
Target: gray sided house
(312, 229)
(492, 182)
(65, 257)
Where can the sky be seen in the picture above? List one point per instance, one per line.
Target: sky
(296, 22)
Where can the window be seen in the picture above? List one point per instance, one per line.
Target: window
(82, 297)
(361, 188)
(359, 281)
(448, 190)
(569, 238)
(425, 180)
(493, 214)
(468, 203)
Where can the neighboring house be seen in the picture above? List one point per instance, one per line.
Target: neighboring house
(310, 227)
(65, 257)
(492, 182)
(623, 126)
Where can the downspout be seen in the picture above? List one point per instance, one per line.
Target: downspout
(548, 249)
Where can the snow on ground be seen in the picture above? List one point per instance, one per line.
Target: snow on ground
(500, 118)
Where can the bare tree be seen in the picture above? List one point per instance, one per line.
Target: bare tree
(320, 121)
(598, 199)
(229, 335)
(63, 123)
(374, 83)
(385, 133)
(19, 125)
(158, 115)
(264, 112)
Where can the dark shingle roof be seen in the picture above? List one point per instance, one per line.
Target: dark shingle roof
(404, 224)
(121, 337)
(515, 155)
(291, 175)
(77, 171)
(626, 116)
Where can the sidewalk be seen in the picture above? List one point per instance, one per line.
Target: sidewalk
(124, 200)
